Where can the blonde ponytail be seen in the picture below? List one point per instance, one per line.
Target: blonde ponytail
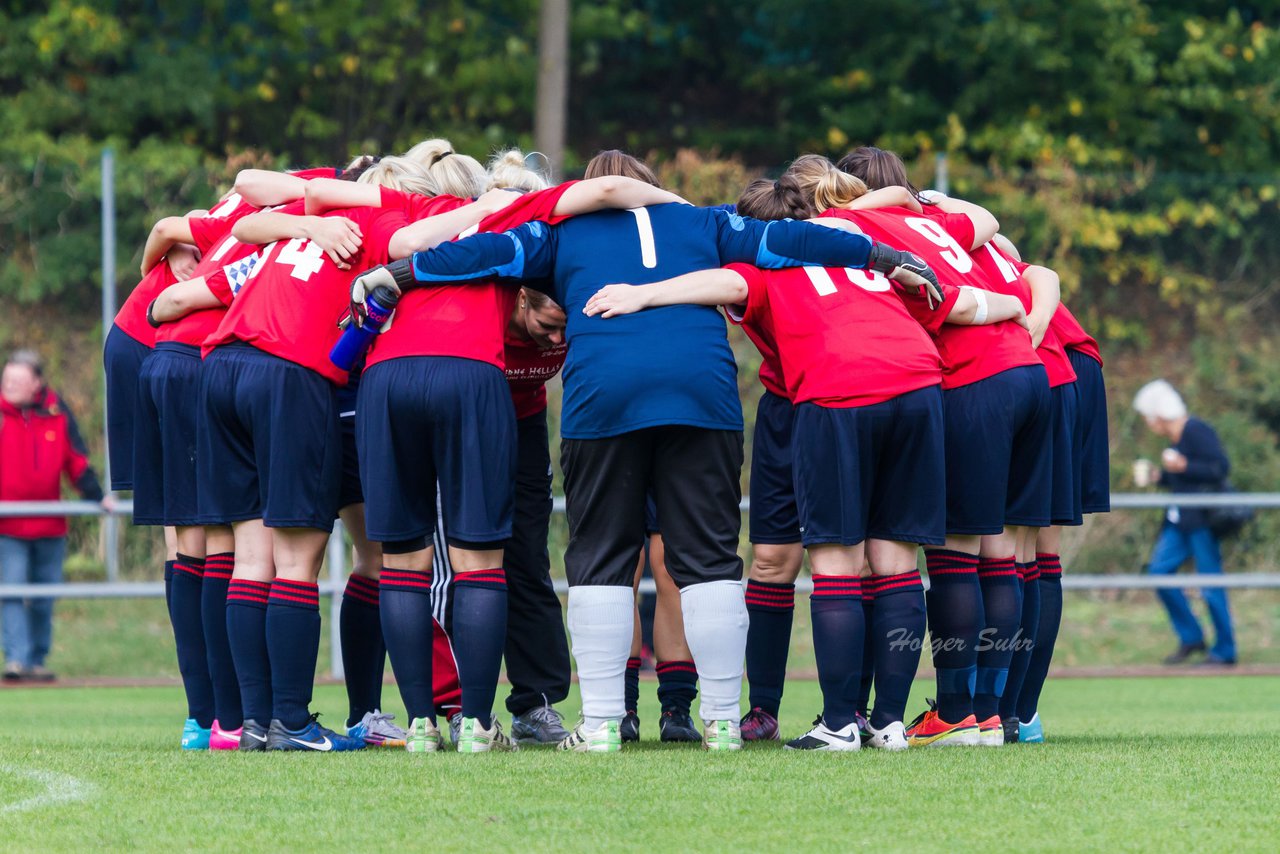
(823, 184)
(399, 173)
(454, 173)
(509, 170)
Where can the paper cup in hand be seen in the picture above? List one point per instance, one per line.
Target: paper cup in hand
(1142, 472)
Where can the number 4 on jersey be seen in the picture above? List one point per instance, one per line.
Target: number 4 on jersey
(305, 257)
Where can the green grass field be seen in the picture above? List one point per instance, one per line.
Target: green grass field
(1134, 764)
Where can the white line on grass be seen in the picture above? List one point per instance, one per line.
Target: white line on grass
(58, 789)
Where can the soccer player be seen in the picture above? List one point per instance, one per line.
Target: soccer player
(635, 418)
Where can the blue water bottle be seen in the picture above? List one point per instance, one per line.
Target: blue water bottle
(379, 304)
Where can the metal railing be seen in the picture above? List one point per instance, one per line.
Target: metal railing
(335, 581)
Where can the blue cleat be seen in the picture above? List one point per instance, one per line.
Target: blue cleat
(311, 737)
(1031, 732)
(194, 736)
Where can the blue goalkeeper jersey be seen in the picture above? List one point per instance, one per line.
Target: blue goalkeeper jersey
(670, 365)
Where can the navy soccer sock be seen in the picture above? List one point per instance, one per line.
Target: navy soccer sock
(213, 612)
(838, 632)
(631, 685)
(870, 584)
(677, 686)
(188, 636)
(1002, 606)
(480, 633)
(363, 653)
(954, 604)
(405, 603)
(168, 587)
(771, 608)
(1050, 588)
(293, 642)
(247, 637)
(1024, 645)
(898, 625)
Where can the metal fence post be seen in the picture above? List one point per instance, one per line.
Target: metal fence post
(337, 570)
(111, 525)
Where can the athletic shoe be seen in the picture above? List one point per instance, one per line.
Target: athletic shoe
(253, 736)
(721, 735)
(455, 724)
(194, 736)
(224, 739)
(606, 738)
(1215, 660)
(822, 737)
(677, 726)
(864, 726)
(759, 725)
(991, 732)
(473, 738)
(539, 725)
(929, 730)
(1031, 732)
(892, 737)
(40, 673)
(311, 737)
(14, 672)
(1011, 727)
(630, 727)
(422, 737)
(377, 730)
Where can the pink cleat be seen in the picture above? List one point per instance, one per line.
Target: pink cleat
(224, 739)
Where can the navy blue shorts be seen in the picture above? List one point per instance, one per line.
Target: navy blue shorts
(122, 357)
(164, 454)
(270, 447)
(773, 517)
(423, 419)
(1093, 463)
(871, 472)
(350, 492)
(1065, 505)
(651, 526)
(999, 452)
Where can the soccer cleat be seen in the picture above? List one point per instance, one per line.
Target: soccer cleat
(377, 730)
(1031, 732)
(758, 725)
(606, 738)
(822, 737)
(929, 730)
(224, 739)
(721, 735)
(312, 737)
(194, 736)
(455, 724)
(1011, 727)
(539, 725)
(473, 738)
(991, 732)
(630, 727)
(422, 736)
(677, 726)
(864, 727)
(892, 737)
(253, 735)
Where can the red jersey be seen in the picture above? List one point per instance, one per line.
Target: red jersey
(969, 353)
(760, 331)
(132, 316)
(1005, 275)
(463, 321)
(1072, 334)
(528, 367)
(290, 303)
(844, 336)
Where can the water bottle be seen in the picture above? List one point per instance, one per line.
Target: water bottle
(356, 339)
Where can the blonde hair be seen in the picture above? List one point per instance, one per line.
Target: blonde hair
(1158, 399)
(820, 180)
(399, 173)
(455, 174)
(509, 170)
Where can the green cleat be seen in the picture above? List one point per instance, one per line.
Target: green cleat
(606, 738)
(422, 736)
(722, 735)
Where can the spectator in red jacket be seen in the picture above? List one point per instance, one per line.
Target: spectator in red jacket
(39, 443)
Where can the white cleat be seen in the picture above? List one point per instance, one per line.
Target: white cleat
(474, 738)
(892, 737)
(822, 737)
(721, 735)
(605, 738)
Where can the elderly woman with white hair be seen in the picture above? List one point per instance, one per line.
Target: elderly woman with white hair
(1194, 462)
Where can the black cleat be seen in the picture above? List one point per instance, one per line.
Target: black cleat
(253, 735)
(678, 726)
(629, 728)
(1010, 727)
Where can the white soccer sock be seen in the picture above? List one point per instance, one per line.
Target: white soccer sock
(601, 624)
(715, 627)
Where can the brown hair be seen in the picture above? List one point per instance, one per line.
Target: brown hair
(780, 199)
(615, 162)
(538, 300)
(877, 167)
(809, 186)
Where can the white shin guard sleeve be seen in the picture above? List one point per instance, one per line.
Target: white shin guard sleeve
(715, 627)
(601, 624)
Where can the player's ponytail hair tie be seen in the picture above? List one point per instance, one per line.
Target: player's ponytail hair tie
(441, 156)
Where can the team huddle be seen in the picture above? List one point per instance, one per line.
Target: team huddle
(372, 343)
